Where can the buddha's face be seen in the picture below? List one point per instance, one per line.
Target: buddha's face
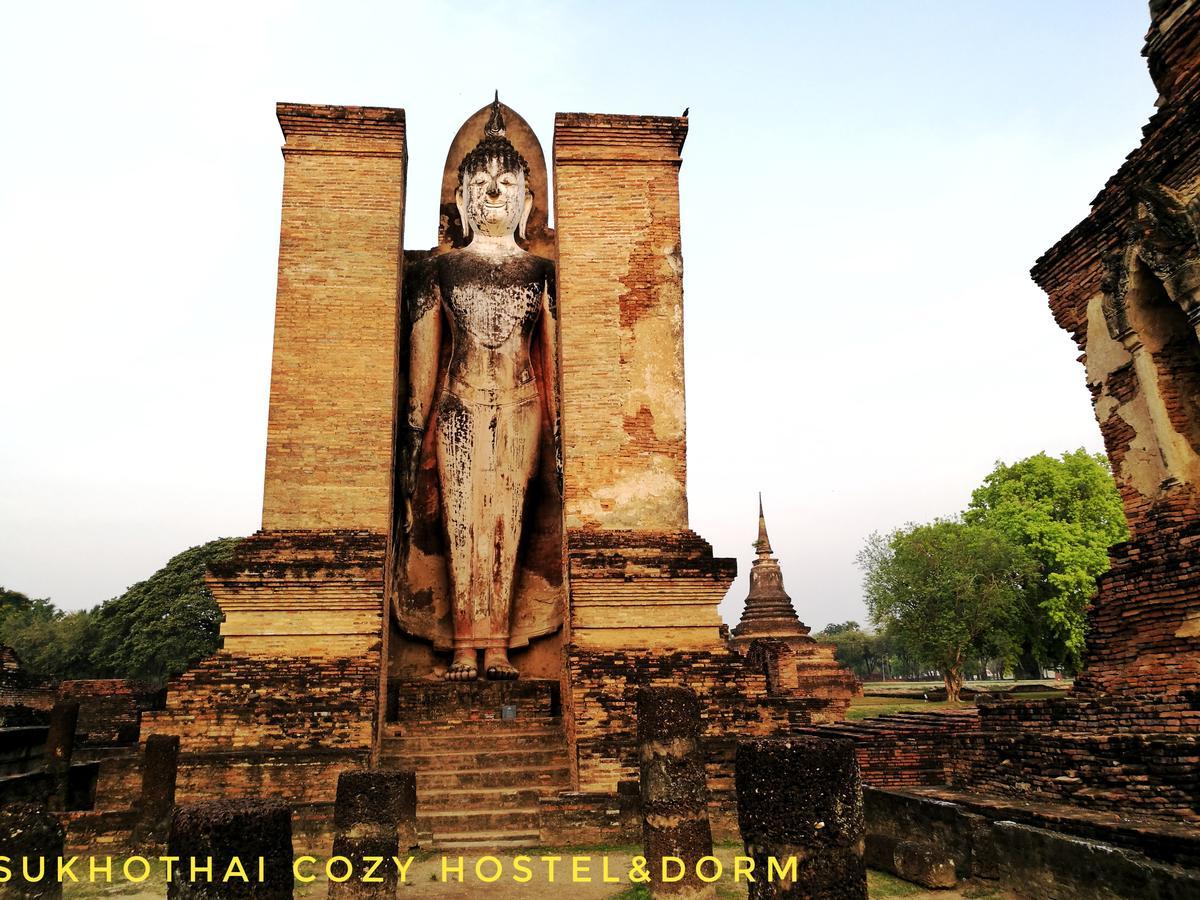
(493, 200)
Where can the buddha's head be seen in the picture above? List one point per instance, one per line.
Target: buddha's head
(492, 195)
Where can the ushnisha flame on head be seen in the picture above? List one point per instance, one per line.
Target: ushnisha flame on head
(494, 145)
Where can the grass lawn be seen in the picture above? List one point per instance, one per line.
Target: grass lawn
(879, 704)
(868, 707)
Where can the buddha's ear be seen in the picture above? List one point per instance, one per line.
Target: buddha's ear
(525, 214)
(462, 214)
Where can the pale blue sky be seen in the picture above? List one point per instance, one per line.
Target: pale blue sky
(863, 364)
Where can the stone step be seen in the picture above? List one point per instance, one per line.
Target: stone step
(478, 821)
(478, 758)
(544, 778)
(480, 798)
(455, 739)
(495, 840)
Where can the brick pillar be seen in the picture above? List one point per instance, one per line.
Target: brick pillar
(375, 815)
(32, 833)
(333, 372)
(160, 766)
(60, 745)
(801, 798)
(620, 288)
(223, 829)
(674, 793)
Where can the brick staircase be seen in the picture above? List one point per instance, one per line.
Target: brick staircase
(480, 773)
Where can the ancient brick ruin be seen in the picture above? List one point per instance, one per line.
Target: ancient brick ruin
(332, 658)
(1125, 283)
(1118, 759)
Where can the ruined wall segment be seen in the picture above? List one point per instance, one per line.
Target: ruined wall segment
(1125, 282)
(333, 380)
(292, 697)
(616, 203)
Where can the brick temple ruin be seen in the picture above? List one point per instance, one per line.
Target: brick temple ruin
(327, 664)
(327, 661)
(1098, 793)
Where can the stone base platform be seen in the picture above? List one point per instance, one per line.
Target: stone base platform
(437, 702)
(1040, 849)
(485, 753)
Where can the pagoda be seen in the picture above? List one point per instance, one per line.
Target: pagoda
(770, 629)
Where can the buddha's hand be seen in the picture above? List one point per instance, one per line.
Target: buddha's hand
(411, 462)
(558, 457)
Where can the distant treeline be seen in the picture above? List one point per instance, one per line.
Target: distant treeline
(153, 631)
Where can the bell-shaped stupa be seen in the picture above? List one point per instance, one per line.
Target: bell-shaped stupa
(772, 636)
(769, 611)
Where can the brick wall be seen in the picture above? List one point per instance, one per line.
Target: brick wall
(1142, 773)
(333, 379)
(1144, 626)
(109, 708)
(604, 687)
(906, 749)
(232, 702)
(620, 285)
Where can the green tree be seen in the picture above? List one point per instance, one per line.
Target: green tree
(50, 643)
(162, 625)
(853, 645)
(947, 590)
(1065, 512)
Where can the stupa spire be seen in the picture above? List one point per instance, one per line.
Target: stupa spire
(763, 545)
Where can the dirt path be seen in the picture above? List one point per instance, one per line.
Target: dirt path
(438, 876)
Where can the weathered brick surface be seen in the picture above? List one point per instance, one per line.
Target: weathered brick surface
(620, 282)
(1153, 774)
(22, 697)
(1144, 628)
(432, 703)
(333, 380)
(110, 708)
(733, 697)
(904, 749)
(634, 590)
(232, 702)
(302, 593)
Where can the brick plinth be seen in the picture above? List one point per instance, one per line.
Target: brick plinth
(905, 749)
(303, 593)
(634, 589)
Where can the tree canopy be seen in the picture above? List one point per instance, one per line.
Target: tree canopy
(153, 631)
(949, 590)
(1065, 513)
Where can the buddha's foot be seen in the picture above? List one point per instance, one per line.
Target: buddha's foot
(463, 668)
(497, 666)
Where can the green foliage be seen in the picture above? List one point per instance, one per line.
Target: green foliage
(871, 655)
(853, 645)
(164, 624)
(949, 591)
(50, 643)
(153, 631)
(1065, 513)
